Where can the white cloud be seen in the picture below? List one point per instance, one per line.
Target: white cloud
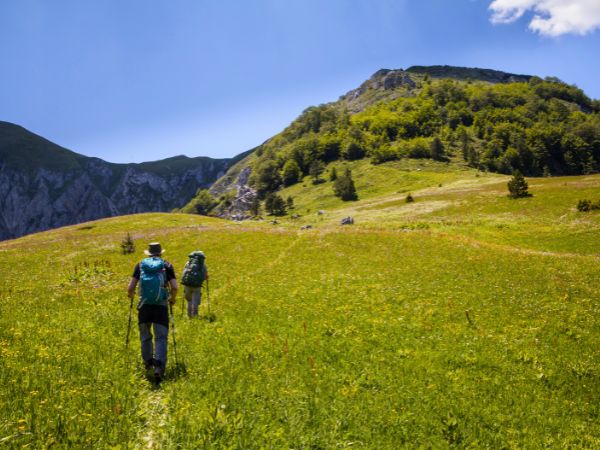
(551, 17)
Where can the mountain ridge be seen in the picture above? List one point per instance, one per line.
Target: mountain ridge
(44, 185)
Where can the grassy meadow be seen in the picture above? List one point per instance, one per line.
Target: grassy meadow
(461, 320)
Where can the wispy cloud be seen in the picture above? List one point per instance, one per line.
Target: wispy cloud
(551, 17)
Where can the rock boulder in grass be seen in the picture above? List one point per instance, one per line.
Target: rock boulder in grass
(347, 221)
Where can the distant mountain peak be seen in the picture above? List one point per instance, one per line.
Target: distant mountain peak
(382, 80)
(383, 83)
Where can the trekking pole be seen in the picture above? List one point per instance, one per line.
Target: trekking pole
(208, 297)
(129, 323)
(173, 333)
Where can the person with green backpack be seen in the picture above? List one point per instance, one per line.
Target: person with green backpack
(158, 289)
(193, 275)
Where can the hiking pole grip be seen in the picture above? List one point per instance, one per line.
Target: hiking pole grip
(129, 323)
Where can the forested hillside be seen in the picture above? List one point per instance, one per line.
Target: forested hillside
(504, 123)
(539, 127)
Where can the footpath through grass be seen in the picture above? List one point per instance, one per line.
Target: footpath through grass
(345, 338)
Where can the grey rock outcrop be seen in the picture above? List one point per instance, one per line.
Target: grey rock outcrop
(244, 196)
(44, 186)
(380, 84)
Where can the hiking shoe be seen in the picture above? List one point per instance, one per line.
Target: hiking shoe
(159, 371)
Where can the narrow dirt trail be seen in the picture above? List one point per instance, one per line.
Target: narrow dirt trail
(155, 417)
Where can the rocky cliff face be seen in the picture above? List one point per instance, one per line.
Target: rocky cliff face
(44, 186)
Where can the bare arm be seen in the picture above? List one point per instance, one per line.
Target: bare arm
(174, 287)
(131, 288)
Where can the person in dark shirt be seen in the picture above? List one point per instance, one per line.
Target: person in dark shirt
(155, 316)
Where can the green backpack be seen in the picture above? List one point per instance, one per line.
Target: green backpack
(194, 272)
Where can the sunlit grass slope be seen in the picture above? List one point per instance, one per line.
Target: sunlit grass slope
(453, 199)
(459, 326)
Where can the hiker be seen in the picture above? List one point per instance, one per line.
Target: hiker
(158, 288)
(193, 275)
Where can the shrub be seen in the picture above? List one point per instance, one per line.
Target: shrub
(437, 150)
(316, 169)
(343, 187)
(290, 173)
(419, 147)
(586, 205)
(333, 174)
(409, 198)
(517, 186)
(203, 202)
(353, 150)
(274, 205)
(255, 207)
(384, 153)
(127, 245)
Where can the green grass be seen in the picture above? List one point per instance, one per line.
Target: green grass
(451, 199)
(374, 181)
(433, 330)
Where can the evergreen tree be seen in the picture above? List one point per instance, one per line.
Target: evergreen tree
(437, 150)
(473, 157)
(589, 166)
(546, 171)
(290, 202)
(127, 245)
(269, 198)
(290, 173)
(465, 142)
(274, 205)
(343, 187)
(316, 169)
(353, 150)
(517, 186)
(255, 207)
(333, 174)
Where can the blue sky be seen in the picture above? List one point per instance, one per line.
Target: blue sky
(133, 80)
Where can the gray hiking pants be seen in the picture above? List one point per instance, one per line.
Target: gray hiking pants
(193, 296)
(159, 352)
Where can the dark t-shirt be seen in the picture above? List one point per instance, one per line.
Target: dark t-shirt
(169, 272)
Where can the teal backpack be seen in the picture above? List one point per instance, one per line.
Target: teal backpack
(194, 272)
(152, 281)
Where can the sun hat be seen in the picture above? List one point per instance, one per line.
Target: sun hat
(154, 249)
